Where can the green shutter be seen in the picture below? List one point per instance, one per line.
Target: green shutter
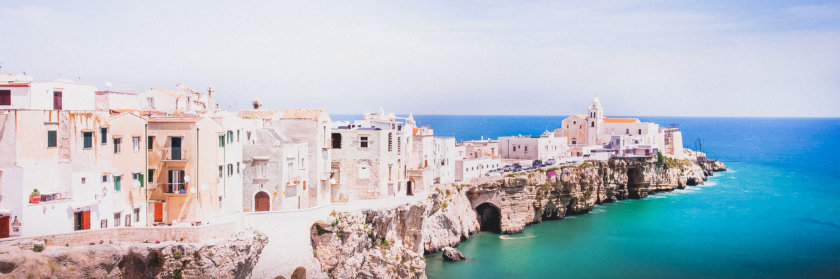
(117, 182)
(142, 182)
(151, 175)
(51, 138)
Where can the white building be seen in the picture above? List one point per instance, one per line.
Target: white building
(21, 92)
(546, 146)
(310, 126)
(469, 169)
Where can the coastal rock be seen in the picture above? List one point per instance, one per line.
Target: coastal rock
(449, 219)
(219, 258)
(452, 255)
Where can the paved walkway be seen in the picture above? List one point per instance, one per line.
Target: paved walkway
(289, 245)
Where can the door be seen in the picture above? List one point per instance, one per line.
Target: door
(175, 148)
(86, 220)
(56, 100)
(158, 212)
(408, 190)
(261, 202)
(4, 227)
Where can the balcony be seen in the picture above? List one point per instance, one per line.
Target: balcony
(175, 154)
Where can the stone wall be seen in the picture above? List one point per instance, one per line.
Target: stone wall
(131, 234)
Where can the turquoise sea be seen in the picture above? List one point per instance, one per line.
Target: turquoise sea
(775, 214)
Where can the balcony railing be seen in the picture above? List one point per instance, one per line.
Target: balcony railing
(174, 188)
(175, 154)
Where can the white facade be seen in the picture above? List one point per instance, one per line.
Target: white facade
(544, 147)
(468, 169)
(229, 159)
(61, 94)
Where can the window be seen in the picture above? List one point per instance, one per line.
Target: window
(117, 217)
(230, 136)
(117, 183)
(151, 176)
(248, 135)
(390, 142)
(57, 103)
(628, 131)
(593, 124)
(138, 177)
(5, 97)
(222, 141)
(150, 102)
(128, 220)
(363, 142)
(176, 182)
(87, 140)
(103, 135)
(84, 180)
(136, 215)
(640, 131)
(117, 142)
(136, 141)
(104, 178)
(230, 169)
(150, 142)
(526, 149)
(336, 140)
(237, 135)
(52, 138)
(237, 167)
(221, 171)
(399, 145)
(514, 149)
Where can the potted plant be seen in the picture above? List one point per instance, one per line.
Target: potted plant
(35, 197)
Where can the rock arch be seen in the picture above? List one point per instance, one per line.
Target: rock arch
(489, 217)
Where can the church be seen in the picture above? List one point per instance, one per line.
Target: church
(593, 130)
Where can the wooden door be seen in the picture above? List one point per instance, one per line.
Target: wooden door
(56, 100)
(4, 227)
(86, 220)
(261, 202)
(158, 212)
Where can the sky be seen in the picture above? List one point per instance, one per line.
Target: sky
(649, 58)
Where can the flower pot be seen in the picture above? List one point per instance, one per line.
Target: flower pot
(35, 199)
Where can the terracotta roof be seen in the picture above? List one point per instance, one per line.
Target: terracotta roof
(174, 119)
(137, 111)
(620, 120)
(257, 113)
(114, 92)
(19, 84)
(297, 113)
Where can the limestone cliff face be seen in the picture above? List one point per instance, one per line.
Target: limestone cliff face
(391, 243)
(554, 193)
(220, 258)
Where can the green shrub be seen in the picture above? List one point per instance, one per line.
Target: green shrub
(38, 248)
(321, 230)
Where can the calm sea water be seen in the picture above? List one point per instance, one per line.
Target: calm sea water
(776, 214)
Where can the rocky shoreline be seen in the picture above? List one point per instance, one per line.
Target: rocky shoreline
(391, 243)
(231, 257)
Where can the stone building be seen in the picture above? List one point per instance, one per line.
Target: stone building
(310, 126)
(275, 172)
(431, 159)
(372, 156)
(63, 171)
(183, 166)
(22, 92)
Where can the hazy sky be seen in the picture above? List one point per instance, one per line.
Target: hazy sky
(692, 58)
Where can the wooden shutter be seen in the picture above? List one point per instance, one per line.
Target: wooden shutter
(4, 227)
(56, 100)
(86, 220)
(5, 97)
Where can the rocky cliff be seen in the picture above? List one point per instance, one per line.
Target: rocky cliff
(390, 243)
(219, 258)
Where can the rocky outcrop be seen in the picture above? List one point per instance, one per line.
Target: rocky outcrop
(219, 258)
(453, 255)
(391, 243)
(554, 193)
